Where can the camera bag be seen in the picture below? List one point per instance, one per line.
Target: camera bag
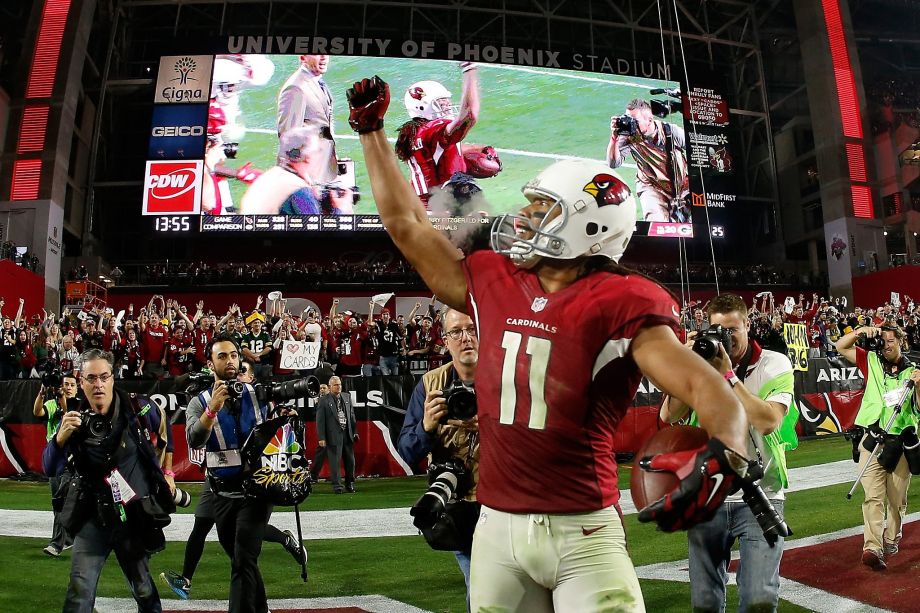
(911, 444)
(75, 504)
(453, 531)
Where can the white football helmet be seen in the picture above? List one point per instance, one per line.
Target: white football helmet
(592, 212)
(421, 100)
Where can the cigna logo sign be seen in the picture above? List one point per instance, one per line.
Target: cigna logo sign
(173, 187)
(184, 78)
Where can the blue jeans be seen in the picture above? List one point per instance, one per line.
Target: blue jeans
(710, 554)
(91, 547)
(463, 559)
(389, 365)
(369, 370)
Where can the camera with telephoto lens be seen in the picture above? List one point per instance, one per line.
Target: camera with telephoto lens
(182, 498)
(51, 375)
(771, 523)
(461, 401)
(446, 481)
(706, 344)
(626, 124)
(231, 149)
(94, 427)
(277, 392)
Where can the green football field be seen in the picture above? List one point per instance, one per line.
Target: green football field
(533, 116)
(402, 568)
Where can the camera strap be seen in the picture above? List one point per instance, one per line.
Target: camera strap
(743, 366)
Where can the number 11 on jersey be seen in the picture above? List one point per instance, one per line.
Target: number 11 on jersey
(538, 349)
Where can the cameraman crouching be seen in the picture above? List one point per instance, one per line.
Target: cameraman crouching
(119, 499)
(220, 425)
(427, 430)
(53, 410)
(763, 382)
(885, 482)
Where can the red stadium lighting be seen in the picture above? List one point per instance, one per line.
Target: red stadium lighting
(848, 102)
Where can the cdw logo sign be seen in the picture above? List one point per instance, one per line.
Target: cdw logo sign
(173, 188)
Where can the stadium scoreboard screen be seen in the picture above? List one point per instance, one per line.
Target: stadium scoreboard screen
(218, 163)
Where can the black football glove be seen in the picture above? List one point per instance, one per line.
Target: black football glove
(707, 476)
(368, 100)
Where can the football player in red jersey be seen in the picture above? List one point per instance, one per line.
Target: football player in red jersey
(430, 141)
(565, 335)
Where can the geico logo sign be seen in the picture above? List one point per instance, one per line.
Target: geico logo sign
(172, 184)
(178, 131)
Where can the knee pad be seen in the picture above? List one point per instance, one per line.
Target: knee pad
(891, 453)
(911, 444)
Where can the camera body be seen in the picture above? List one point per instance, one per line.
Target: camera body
(706, 344)
(94, 427)
(626, 124)
(875, 343)
(461, 401)
(231, 150)
(51, 375)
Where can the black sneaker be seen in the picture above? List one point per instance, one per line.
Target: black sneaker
(177, 583)
(297, 550)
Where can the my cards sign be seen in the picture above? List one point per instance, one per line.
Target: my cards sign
(296, 355)
(184, 78)
(173, 187)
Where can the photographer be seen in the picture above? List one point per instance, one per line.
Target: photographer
(205, 520)
(427, 429)
(289, 188)
(220, 425)
(763, 381)
(886, 370)
(53, 410)
(657, 147)
(118, 499)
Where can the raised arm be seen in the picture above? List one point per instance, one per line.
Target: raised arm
(469, 104)
(402, 213)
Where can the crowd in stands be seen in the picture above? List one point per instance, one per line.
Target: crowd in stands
(825, 320)
(22, 257)
(167, 339)
(274, 271)
(398, 271)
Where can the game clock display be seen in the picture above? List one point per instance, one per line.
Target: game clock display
(173, 224)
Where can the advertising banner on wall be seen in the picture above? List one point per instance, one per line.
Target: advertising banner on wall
(184, 79)
(710, 148)
(177, 131)
(173, 187)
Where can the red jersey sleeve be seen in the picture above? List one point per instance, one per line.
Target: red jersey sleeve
(642, 303)
(862, 362)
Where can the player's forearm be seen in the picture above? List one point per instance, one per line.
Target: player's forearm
(469, 98)
(721, 413)
(400, 209)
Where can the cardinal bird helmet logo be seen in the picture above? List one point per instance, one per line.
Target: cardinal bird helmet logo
(416, 92)
(607, 189)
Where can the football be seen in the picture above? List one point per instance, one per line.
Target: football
(647, 486)
(481, 162)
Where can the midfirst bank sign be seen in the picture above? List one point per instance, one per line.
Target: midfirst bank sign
(426, 49)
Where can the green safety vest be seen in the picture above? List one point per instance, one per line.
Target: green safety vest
(874, 408)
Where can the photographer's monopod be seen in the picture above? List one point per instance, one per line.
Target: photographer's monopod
(905, 394)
